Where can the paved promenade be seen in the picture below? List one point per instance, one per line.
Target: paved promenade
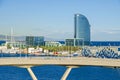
(69, 61)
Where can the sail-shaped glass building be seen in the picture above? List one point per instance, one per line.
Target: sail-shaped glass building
(81, 29)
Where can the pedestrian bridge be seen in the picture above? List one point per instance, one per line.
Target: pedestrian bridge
(70, 62)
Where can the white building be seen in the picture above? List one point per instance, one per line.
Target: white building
(54, 43)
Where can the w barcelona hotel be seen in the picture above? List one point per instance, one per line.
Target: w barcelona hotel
(81, 31)
(82, 34)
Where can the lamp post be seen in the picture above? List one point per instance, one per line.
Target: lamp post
(83, 43)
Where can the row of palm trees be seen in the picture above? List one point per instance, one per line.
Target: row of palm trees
(61, 48)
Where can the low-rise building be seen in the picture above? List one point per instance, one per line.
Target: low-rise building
(54, 43)
(74, 42)
(34, 41)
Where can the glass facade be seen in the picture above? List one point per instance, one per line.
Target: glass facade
(74, 42)
(69, 42)
(82, 28)
(34, 41)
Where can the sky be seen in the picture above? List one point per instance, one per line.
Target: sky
(55, 18)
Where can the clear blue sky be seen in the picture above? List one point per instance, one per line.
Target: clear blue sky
(55, 18)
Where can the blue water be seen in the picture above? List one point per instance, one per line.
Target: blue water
(52, 72)
(55, 73)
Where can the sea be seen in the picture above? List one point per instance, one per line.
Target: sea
(53, 72)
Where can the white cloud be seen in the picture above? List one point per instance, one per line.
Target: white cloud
(112, 31)
(105, 34)
(107, 31)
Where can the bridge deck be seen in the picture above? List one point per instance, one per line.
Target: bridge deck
(71, 61)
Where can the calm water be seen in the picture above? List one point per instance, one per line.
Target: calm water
(56, 72)
(51, 72)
